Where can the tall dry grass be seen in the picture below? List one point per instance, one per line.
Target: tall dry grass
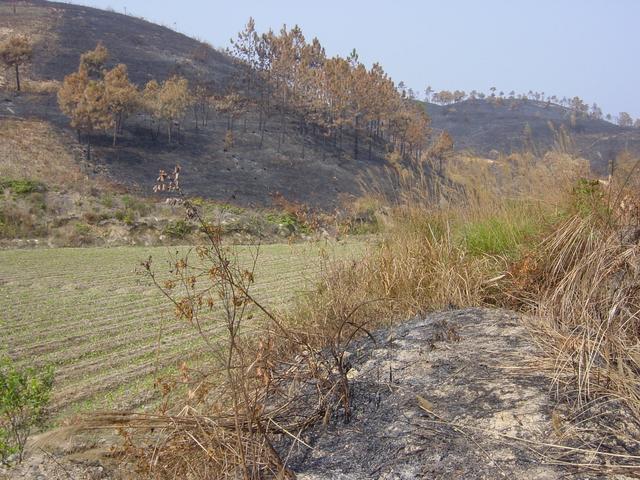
(582, 283)
(538, 235)
(589, 298)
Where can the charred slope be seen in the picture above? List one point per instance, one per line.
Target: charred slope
(149, 50)
(305, 168)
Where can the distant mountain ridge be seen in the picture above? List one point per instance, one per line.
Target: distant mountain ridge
(487, 127)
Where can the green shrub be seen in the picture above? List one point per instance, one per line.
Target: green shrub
(136, 205)
(178, 229)
(24, 397)
(501, 234)
(289, 221)
(588, 197)
(82, 229)
(197, 201)
(22, 187)
(127, 216)
(107, 200)
(226, 207)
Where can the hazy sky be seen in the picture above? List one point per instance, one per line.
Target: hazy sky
(587, 48)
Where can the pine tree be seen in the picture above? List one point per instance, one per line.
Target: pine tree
(15, 52)
(121, 95)
(625, 120)
(84, 101)
(172, 99)
(245, 49)
(94, 60)
(441, 150)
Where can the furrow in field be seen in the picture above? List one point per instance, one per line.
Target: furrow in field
(42, 349)
(112, 303)
(107, 301)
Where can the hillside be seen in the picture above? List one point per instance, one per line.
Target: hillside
(246, 174)
(304, 167)
(487, 127)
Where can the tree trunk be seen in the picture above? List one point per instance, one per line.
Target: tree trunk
(282, 119)
(355, 140)
(169, 131)
(17, 78)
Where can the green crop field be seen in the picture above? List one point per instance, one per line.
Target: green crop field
(91, 314)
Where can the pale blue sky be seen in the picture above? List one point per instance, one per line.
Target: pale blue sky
(587, 48)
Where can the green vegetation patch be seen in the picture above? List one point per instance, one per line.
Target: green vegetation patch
(178, 229)
(23, 186)
(588, 198)
(24, 396)
(505, 232)
(289, 221)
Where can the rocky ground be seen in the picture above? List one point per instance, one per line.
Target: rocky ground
(455, 395)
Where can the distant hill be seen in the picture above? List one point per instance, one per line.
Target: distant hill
(314, 173)
(488, 127)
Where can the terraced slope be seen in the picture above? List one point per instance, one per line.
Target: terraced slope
(97, 320)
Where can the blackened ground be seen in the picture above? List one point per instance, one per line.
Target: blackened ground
(442, 397)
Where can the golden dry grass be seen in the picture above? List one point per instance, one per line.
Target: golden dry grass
(34, 150)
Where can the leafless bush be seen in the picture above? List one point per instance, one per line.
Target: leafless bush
(265, 381)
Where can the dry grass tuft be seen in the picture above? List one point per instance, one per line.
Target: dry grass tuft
(40, 87)
(590, 294)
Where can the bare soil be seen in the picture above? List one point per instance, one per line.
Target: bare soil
(450, 396)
